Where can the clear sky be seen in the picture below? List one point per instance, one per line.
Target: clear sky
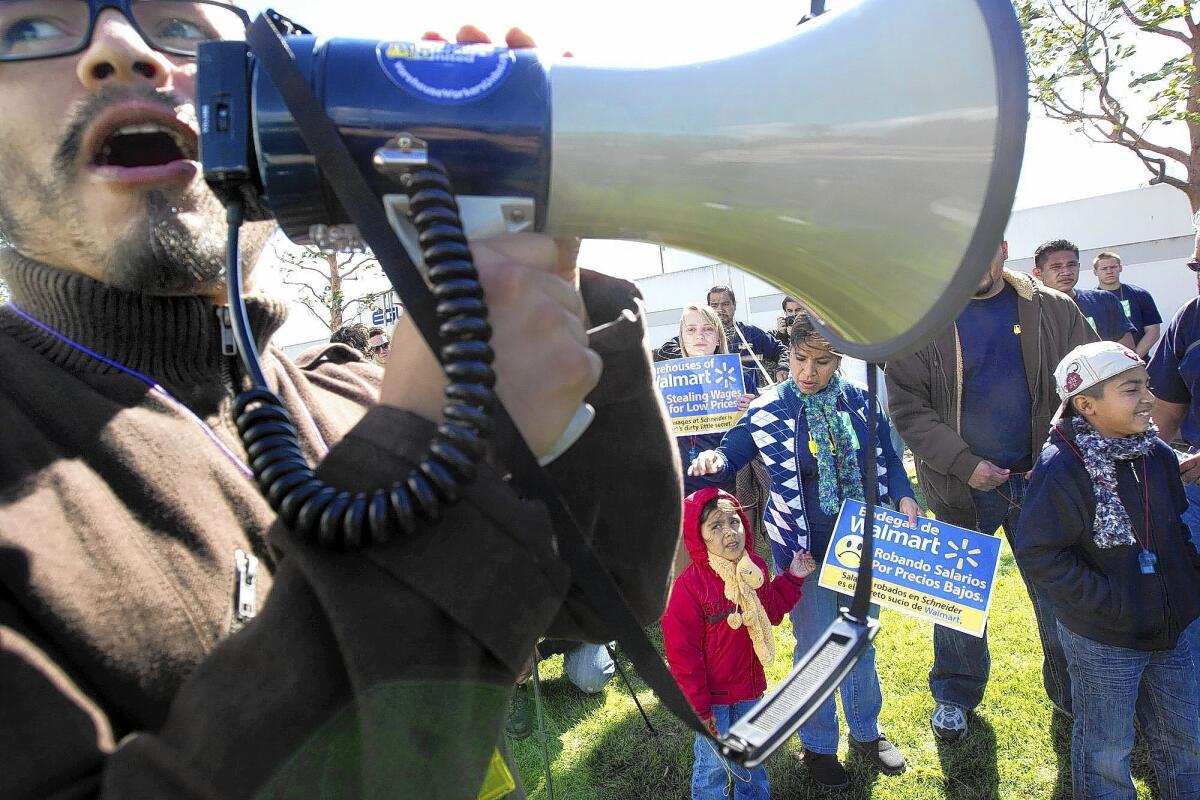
(1059, 164)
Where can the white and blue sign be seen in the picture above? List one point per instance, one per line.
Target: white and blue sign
(446, 73)
(936, 571)
(701, 392)
(385, 316)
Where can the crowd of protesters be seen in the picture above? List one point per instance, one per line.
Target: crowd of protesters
(1033, 412)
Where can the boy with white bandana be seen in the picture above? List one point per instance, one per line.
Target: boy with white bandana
(717, 632)
(1101, 534)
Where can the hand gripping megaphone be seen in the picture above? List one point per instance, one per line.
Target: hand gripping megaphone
(865, 166)
(875, 191)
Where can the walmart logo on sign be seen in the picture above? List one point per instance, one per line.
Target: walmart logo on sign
(726, 375)
(962, 553)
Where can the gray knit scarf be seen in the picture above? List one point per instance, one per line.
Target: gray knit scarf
(1112, 527)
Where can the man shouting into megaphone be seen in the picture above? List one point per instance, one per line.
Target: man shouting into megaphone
(161, 635)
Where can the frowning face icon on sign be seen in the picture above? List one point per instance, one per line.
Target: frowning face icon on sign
(849, 550)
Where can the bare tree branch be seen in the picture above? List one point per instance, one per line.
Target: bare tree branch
(369, 262)
(1149, 27)
(316, 299)
(1081, 70)
(1117, 133)
(315, 270)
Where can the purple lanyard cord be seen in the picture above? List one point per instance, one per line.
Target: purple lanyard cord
(154, 386)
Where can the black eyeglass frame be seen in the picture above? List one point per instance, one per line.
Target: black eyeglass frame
(126, 8)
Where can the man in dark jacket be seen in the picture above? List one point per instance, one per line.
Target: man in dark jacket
(755, 345)
(137, 655)
(791, 309)
(974, 407)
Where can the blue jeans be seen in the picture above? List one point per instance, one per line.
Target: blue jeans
(861, 698)
(1112, 685)
(712, 774)
(1191, 518)
(961, 662)
(589, 667)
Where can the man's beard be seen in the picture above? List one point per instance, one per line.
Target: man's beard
(177, 244)
(165, 255)
(988, 283)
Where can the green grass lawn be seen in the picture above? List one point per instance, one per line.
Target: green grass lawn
(600, 747)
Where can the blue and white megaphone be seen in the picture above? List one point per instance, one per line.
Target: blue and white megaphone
(866, 165)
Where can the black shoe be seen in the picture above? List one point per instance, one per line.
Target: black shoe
(949, 722)
(826, 770)
(881, 754)
(519, 725)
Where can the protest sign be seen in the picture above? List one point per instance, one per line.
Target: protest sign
(701, 392)
(935, 571)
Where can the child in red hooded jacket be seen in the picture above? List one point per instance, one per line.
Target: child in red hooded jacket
(717, 632)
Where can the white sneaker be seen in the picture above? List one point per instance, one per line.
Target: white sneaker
(949, 722)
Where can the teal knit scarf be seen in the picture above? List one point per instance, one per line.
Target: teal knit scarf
(838, 476)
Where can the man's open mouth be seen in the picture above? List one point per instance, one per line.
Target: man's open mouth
(145, 144)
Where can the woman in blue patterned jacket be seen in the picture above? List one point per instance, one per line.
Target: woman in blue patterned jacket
(810, 430)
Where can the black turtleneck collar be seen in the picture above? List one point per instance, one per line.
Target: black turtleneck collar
(174, 340)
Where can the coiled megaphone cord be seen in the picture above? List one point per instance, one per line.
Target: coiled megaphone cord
(346, 520)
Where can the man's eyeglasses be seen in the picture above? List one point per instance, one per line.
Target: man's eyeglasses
(380, 348)
(33, 29)
(1194, 266)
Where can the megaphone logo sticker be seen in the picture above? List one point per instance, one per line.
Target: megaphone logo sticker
(849, 550)
(445, 73)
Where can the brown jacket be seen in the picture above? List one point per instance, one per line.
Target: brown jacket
(385, 674)
(925, 393)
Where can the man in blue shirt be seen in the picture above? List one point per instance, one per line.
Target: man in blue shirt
(974, 407)
(1175, 380)
(1056, 264)
(1135, 301)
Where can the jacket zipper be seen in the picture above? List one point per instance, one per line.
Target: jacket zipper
(228, 343)
(245, 592)
(228, 357)
(228, 349)
(1162, 584)
(1158, 576)
(958, 381)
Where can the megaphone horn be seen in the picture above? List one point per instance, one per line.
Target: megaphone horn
(865, 166)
